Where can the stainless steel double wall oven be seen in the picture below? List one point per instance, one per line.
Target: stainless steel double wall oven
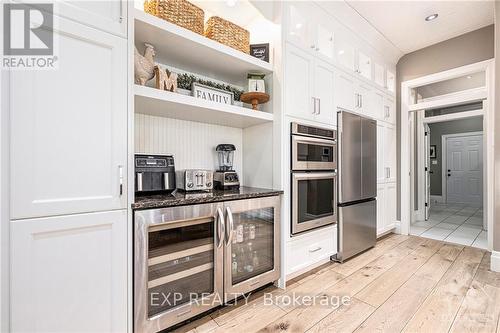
(189, 259)
(314, 177)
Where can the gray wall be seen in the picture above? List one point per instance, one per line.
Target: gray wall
(466, 49)
(437, 131)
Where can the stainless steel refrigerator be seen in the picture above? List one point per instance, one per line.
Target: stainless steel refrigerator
(357, 179)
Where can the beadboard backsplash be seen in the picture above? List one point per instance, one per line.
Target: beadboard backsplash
(192, 143)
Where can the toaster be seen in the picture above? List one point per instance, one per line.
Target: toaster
(194, 180)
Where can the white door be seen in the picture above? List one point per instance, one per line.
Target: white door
(464, 161)
(427, 171)
(324, 80)
(379, 74)
(390, 206)
(298, 83)
(376, 110)
(345, 96)
(69, 273)
(381, 209)
(69, 128)
(391, 81)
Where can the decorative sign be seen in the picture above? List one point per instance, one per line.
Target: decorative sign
(260, 51)
(212, 94)
(165, 80)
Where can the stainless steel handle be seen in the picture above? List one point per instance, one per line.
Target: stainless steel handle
(317, 49)
(229, 234)
(254, 283)
(313, 46)
(166, 181)
(121, 11)
(120, 177)
(360, 100)
(184, 313)
(139, 181)
(221, 227)
(316, 249)
(314, 105)
(389, 172)
(319, 105)
(357, 99)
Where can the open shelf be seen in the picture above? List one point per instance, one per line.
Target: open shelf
(162, 103)
(188, 50)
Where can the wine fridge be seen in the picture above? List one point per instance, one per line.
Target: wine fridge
(189, 259)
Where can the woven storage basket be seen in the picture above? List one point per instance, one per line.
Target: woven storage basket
(180, 12)
(228, 33)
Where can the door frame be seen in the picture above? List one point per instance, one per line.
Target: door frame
(407, 112)
(444, 160)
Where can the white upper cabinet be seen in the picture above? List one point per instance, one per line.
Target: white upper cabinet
(377, 109)
(379, 75)
(299, 66)
(325, 40)
(298, 27)
(69, 128)
(364, 65)
(365, 101)
(391, 82)
(69, 273)
(346, 54)
(389, 110)
(324, 83)
(345, 95)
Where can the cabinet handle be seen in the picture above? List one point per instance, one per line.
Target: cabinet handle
(360, 100)
(221, 229)
(389, 171)
(315, 249)
(317, 49)
(229, 230)
(319, 105)
(121, 11)
(313, 46)
(357, 99)
(314, 105)
(120, 177)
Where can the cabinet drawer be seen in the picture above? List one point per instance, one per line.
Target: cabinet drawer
(308, 249)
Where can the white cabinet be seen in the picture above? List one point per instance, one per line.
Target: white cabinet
(324, 83)
(377, 109)
(381, 170)
(298, 26)
(346, 54)
(108, 15)
(325, 40)
(309, 87)
(364, 65)
(69, 273)
(345, 96)
(69, 128)
(364, 98)
(386, 209)
(381, 209)
(391, 81)
(390, 153)
(389, 110)
(379, 75)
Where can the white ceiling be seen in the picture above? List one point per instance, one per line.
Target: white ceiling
(403, 22)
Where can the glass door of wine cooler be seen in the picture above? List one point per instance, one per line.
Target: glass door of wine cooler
(178, 264)
(252, 249)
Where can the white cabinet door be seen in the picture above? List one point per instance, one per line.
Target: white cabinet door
(298, 83)
(69, 273)
(345, 96)
(381, 206)
(378, 105)
(381, 170)
(390, 206)
(105, 15)
(346, 54)
(299, 29)
(379, 75)
(324, 80)
(365, 100)
(364, 65)
(325, 41)
(390, 109)
(390, 153)
(391, 81)
(69, 128)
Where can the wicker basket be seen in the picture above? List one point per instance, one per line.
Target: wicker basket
(228, 33)
(180, 12)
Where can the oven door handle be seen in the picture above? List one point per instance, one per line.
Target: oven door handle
(309, 140)
(221, 227)
(313, 175)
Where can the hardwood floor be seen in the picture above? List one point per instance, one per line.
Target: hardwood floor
(403, 284)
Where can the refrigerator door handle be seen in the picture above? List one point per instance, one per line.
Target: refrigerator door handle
(229, 229)
(221, 227)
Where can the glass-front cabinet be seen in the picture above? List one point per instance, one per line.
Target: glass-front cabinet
(189, 259)
(252, 253)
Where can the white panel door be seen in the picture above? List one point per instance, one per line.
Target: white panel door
(105, 15)
(298, 83)
(299, 26)
(381, 143)
(365, 100)
(377, 106)
(464, 160)
(365, 65)
(345, 96)
(390, 153)
(381, 208)
(69, 273)
(69, 128)
(324, 80)
(390, 205)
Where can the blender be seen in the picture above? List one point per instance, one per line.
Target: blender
(226, 178)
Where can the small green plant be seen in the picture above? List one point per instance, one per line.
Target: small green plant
(185, 81)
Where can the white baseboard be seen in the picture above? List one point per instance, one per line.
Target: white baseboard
(436, 198)
(495, 261)
(397, 227)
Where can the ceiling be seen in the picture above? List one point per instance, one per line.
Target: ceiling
(403, 22)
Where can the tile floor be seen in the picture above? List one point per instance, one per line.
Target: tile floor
(454, 223)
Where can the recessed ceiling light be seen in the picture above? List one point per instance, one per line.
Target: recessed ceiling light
(431, 17)
(469, 77)
(341, 52)
(230, 3)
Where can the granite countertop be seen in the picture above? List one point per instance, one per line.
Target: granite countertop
(181, 198)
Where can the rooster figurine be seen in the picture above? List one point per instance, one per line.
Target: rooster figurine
(144, 65)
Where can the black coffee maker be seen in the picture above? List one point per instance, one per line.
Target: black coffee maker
(154, 174)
